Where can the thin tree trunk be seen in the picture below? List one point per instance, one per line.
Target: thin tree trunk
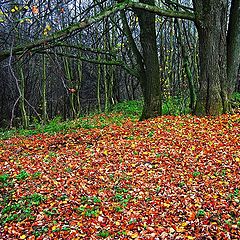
(25, 119)
(105, 77)
(69, 78)
(78, 86)
(99, 85)
(186, 64)
(44, 91)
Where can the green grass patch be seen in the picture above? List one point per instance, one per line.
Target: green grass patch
(22, 175)
(21, 209)
(116, 115)
(103, 234)
(4, 177)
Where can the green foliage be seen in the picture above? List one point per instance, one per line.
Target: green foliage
(40, 230)
(4, 177)
(235, 100)
(130, 109)
(235, 195)
(176, 106)
(200, 213)
(195, 174)
(6, 134)
(181, 184)
(50, 213)
(21, 209)
(117, 115)
(22, 175)
(91, 212)
(119, 209)
(96, 200)
(103, 234)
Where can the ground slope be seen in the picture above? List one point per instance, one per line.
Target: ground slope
(166, 178)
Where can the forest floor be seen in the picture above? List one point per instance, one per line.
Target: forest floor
(172, 177)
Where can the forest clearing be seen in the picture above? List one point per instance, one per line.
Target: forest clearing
(171, 177)
(119, 119)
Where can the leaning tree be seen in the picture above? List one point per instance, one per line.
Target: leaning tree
(219, 48)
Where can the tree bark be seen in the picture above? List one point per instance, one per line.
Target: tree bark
(186, 64)
(151, 86)
(233, 46)
(44, 90)
(211, 22)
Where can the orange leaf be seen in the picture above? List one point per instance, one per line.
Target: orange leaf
(35, 10)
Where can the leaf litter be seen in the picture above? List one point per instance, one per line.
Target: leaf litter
(165, 178)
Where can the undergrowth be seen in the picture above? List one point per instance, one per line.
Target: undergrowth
(116, 115)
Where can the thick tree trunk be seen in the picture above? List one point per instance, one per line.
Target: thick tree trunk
(150, 83)
(211, 24)
(233, 46)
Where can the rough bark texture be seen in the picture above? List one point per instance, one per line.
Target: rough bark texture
(211, 24)
(151, 86)
(233, 46)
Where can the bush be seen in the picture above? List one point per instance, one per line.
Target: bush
(235, 100)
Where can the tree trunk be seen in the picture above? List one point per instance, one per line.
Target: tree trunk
(211, 23)
(233, 46)
(186, 64)
(44, 91)
(25, 120)
(151, 86)
(78, 84)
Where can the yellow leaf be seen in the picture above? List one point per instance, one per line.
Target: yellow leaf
(105, 152)
(237, 159)
(48, 27)
(13, 10)
(166, 205)
(134, 235)
(54, 228)
(28, 20)
(23, 236)
(117, 223)
(184, 224)
(180, 229)
(190, 237)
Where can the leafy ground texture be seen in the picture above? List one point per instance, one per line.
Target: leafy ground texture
(166, 178)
